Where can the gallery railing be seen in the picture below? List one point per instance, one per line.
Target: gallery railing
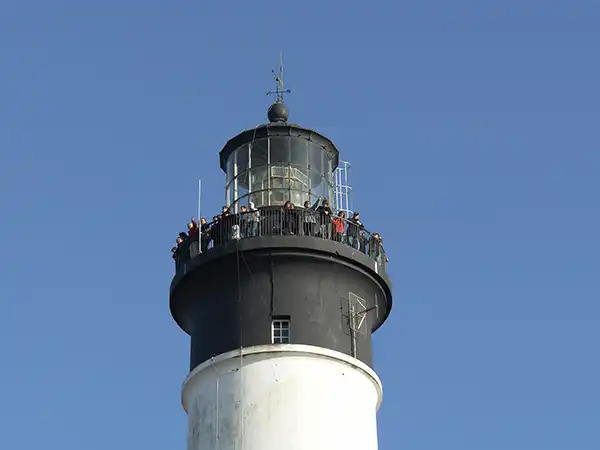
(278, 221)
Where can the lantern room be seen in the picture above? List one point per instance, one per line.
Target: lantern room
(278, 162)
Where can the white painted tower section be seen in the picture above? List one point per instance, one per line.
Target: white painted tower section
(283, 396)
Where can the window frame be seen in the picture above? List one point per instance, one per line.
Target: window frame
(283, 324)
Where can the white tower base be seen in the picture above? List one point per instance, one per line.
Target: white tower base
(284, 396)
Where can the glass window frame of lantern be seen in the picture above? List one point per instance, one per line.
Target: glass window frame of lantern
(274, 183)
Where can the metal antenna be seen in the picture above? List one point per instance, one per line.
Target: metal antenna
(278, 76)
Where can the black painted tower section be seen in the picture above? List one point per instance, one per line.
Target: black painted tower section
(227, 297)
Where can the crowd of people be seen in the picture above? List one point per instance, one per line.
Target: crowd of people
(316, 220)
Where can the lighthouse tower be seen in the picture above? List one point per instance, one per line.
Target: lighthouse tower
(280, 306)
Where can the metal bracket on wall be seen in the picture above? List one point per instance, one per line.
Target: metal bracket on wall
(354, 315)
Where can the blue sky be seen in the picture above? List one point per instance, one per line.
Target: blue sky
(472, 128)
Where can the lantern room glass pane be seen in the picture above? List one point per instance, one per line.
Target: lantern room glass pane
(229, 168)
(241, 157)
(280, 150)
(259, 152)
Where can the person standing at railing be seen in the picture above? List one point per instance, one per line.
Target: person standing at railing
(244, 221)
(176, 253)
(382, 250)
(253, 219)
(193, 238)
(338, 227)
(192, 228)
(309, 219)
(226, 225)
(204, 235)
(355, 231)
(235, 228)
(290, 223)
(249, 221)
(325, 216)
(181, 238)
(376, 249)
(215, 231)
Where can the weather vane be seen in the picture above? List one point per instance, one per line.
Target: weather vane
(279, 91)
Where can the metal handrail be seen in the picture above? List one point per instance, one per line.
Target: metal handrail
(276, 221)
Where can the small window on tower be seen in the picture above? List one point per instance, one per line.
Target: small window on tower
(280, 331)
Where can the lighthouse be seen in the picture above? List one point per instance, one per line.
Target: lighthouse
(280, 296)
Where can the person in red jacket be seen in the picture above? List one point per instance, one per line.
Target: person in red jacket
(339, 224)
(192, 228)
